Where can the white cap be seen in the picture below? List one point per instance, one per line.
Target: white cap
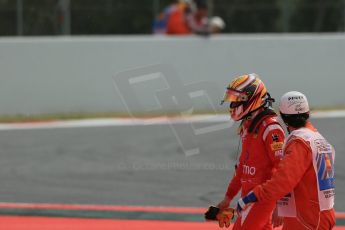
(217, 22)
(293, 103)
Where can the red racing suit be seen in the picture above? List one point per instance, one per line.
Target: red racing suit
(260, 155)
(297, 174)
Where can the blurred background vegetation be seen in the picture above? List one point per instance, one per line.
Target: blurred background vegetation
(80, 17)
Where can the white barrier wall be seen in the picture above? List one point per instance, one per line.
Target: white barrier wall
(75, 74)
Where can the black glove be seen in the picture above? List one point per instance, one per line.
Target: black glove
(212, 213)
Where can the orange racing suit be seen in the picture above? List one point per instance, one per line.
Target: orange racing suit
(177, 22)
(260, 154)
(311, 183)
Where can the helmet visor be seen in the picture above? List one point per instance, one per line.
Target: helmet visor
(234, 96)
(235, 104)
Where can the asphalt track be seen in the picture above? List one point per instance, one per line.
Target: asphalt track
(131, 165)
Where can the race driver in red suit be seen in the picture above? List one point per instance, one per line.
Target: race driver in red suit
(262, 141)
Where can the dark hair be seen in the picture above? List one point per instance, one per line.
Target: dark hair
(295, 120)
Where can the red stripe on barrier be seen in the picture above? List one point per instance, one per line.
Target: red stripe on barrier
(159, 209)
(48, 223)
(104, 208)
(340, 215)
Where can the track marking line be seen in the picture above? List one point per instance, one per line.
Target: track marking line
(110, 122)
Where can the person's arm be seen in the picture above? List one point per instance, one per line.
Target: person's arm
(297, 159)
(233, 188)
(235, 183)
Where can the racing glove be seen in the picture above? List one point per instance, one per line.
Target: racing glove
(243, 202)
(223, 217)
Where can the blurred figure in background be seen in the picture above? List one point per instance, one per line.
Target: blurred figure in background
(185, 17)
(172, 19)
(177, 22)
(197, 19)
(216, 25)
